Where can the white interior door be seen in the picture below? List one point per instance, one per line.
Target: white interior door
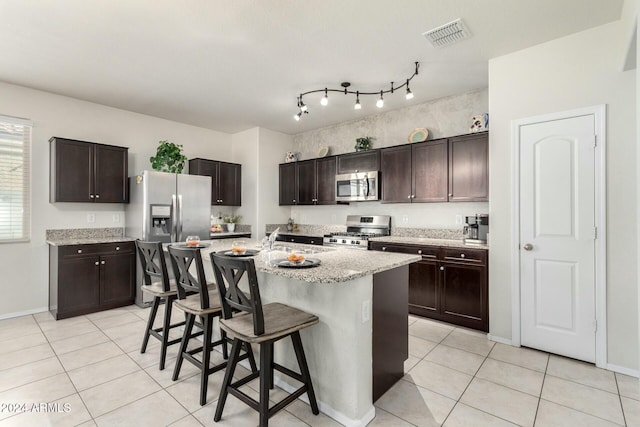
(557, 236)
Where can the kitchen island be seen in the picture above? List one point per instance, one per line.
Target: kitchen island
(357, 350)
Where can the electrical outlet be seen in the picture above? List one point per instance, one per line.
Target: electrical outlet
(366, 311)
(91, 217)
(116, 217)
(458, 219)
(405, 219)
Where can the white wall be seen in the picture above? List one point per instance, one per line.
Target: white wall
(580, 70)
(260, 150)
(24, 266)
(443, 117)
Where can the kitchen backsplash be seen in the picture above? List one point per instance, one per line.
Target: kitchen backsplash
(321, 230)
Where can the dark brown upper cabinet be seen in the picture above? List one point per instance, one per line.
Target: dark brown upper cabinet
(414, 173)
(226, 180)
(288, 187)
(83, 171)
(308, 182)
(361, 161)
(469, 168)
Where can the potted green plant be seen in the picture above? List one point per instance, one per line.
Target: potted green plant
(231, 221)
(168, 158)
(363, 143)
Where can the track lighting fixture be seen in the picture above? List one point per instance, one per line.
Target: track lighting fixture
(325, 98)
(380, 102)
(345, 85)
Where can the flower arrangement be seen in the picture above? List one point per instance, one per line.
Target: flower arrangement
(363, 143)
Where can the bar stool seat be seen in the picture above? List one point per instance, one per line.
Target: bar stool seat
(157, 289)
(280, 320)
(191, 304)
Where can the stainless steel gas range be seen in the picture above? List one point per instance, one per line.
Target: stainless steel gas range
(360, 229)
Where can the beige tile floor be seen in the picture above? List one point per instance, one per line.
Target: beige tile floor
(91, 367)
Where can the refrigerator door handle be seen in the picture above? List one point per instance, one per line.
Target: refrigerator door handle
(174, 218)
(180, 237)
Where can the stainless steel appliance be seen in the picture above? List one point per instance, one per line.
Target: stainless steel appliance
(476, 229)
(167, 207)
(359, 229)
(359, 186)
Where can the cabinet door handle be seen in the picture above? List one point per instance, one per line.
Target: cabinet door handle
(442, 268)
(450, 194)
(97, 196)
(384, 248)
(91, 196)
(413, 196)
(313, 241)
(419, 251)
(117, 248)
(97, 263)
(461, 255)
(103, 262)
(220, 200)
(79, 251)
(409, 196)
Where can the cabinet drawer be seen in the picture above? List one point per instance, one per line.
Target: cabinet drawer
(477, 256)
(97, 248)
(425, 251)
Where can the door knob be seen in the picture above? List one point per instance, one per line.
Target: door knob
(528, 247)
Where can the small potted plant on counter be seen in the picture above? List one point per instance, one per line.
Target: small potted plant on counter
(363, 143)
(231, 221)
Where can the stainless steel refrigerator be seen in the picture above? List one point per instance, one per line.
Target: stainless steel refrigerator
(167, 207)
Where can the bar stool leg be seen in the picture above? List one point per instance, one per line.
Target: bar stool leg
(225, 353)
(165, 330)
(228, 377)
(252, 360)
(188, 327)
(206, 356)
(304, 370)
(265, 382)
(271, 366)
(152, 318)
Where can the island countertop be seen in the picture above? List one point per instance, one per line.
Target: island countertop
(337, 264)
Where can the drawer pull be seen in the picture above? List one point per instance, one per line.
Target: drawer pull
(117, 248)
(97, 263)
(103, 263)
(384, 248)
(442, 268)
(461, 255)
(313, 241)
(419, 251)
(79, 251)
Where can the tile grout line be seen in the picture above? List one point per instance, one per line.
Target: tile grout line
(68, 377)
(624, 417)
(544, 377)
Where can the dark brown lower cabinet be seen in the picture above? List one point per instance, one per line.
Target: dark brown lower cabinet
(448, 284)
(88, 278)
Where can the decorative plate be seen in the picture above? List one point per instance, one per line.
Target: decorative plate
(307, 263)
(184, 245)
(418, 135)
(323, 151)
(248, 252)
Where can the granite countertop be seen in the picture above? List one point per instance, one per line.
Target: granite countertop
(337, 264)
(305, 233)
(87, 240)
(428, 241)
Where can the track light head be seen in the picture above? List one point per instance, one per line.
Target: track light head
(409, 94)
(303, 106)
(297, 116)
(325, 98)
(380, 102)
(357, 106)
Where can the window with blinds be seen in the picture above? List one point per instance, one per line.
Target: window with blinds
(15, 197)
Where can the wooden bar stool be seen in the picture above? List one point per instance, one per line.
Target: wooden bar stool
(262, 325)
(163, 290)
(197, 298)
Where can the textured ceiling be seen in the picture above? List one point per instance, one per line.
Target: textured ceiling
(235, 64)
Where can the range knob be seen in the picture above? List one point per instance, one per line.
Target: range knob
(344, 241)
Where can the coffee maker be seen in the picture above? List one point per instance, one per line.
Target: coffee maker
(476, 229)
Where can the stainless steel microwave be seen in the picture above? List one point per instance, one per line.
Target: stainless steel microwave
(359, 186)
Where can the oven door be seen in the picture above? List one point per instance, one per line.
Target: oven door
(359, 186)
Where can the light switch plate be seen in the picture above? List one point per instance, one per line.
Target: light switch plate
(366, 311)
(116, 217)
(458, 219)
(91, 217)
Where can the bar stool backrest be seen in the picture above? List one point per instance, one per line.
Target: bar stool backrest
(153, 263)
(187, 283)
(228, 272)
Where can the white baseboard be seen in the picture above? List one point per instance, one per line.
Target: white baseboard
(328, 410)
(23, 313)
(622, 370)
(499, 339)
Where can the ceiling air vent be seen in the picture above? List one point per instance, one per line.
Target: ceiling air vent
(447, 34)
